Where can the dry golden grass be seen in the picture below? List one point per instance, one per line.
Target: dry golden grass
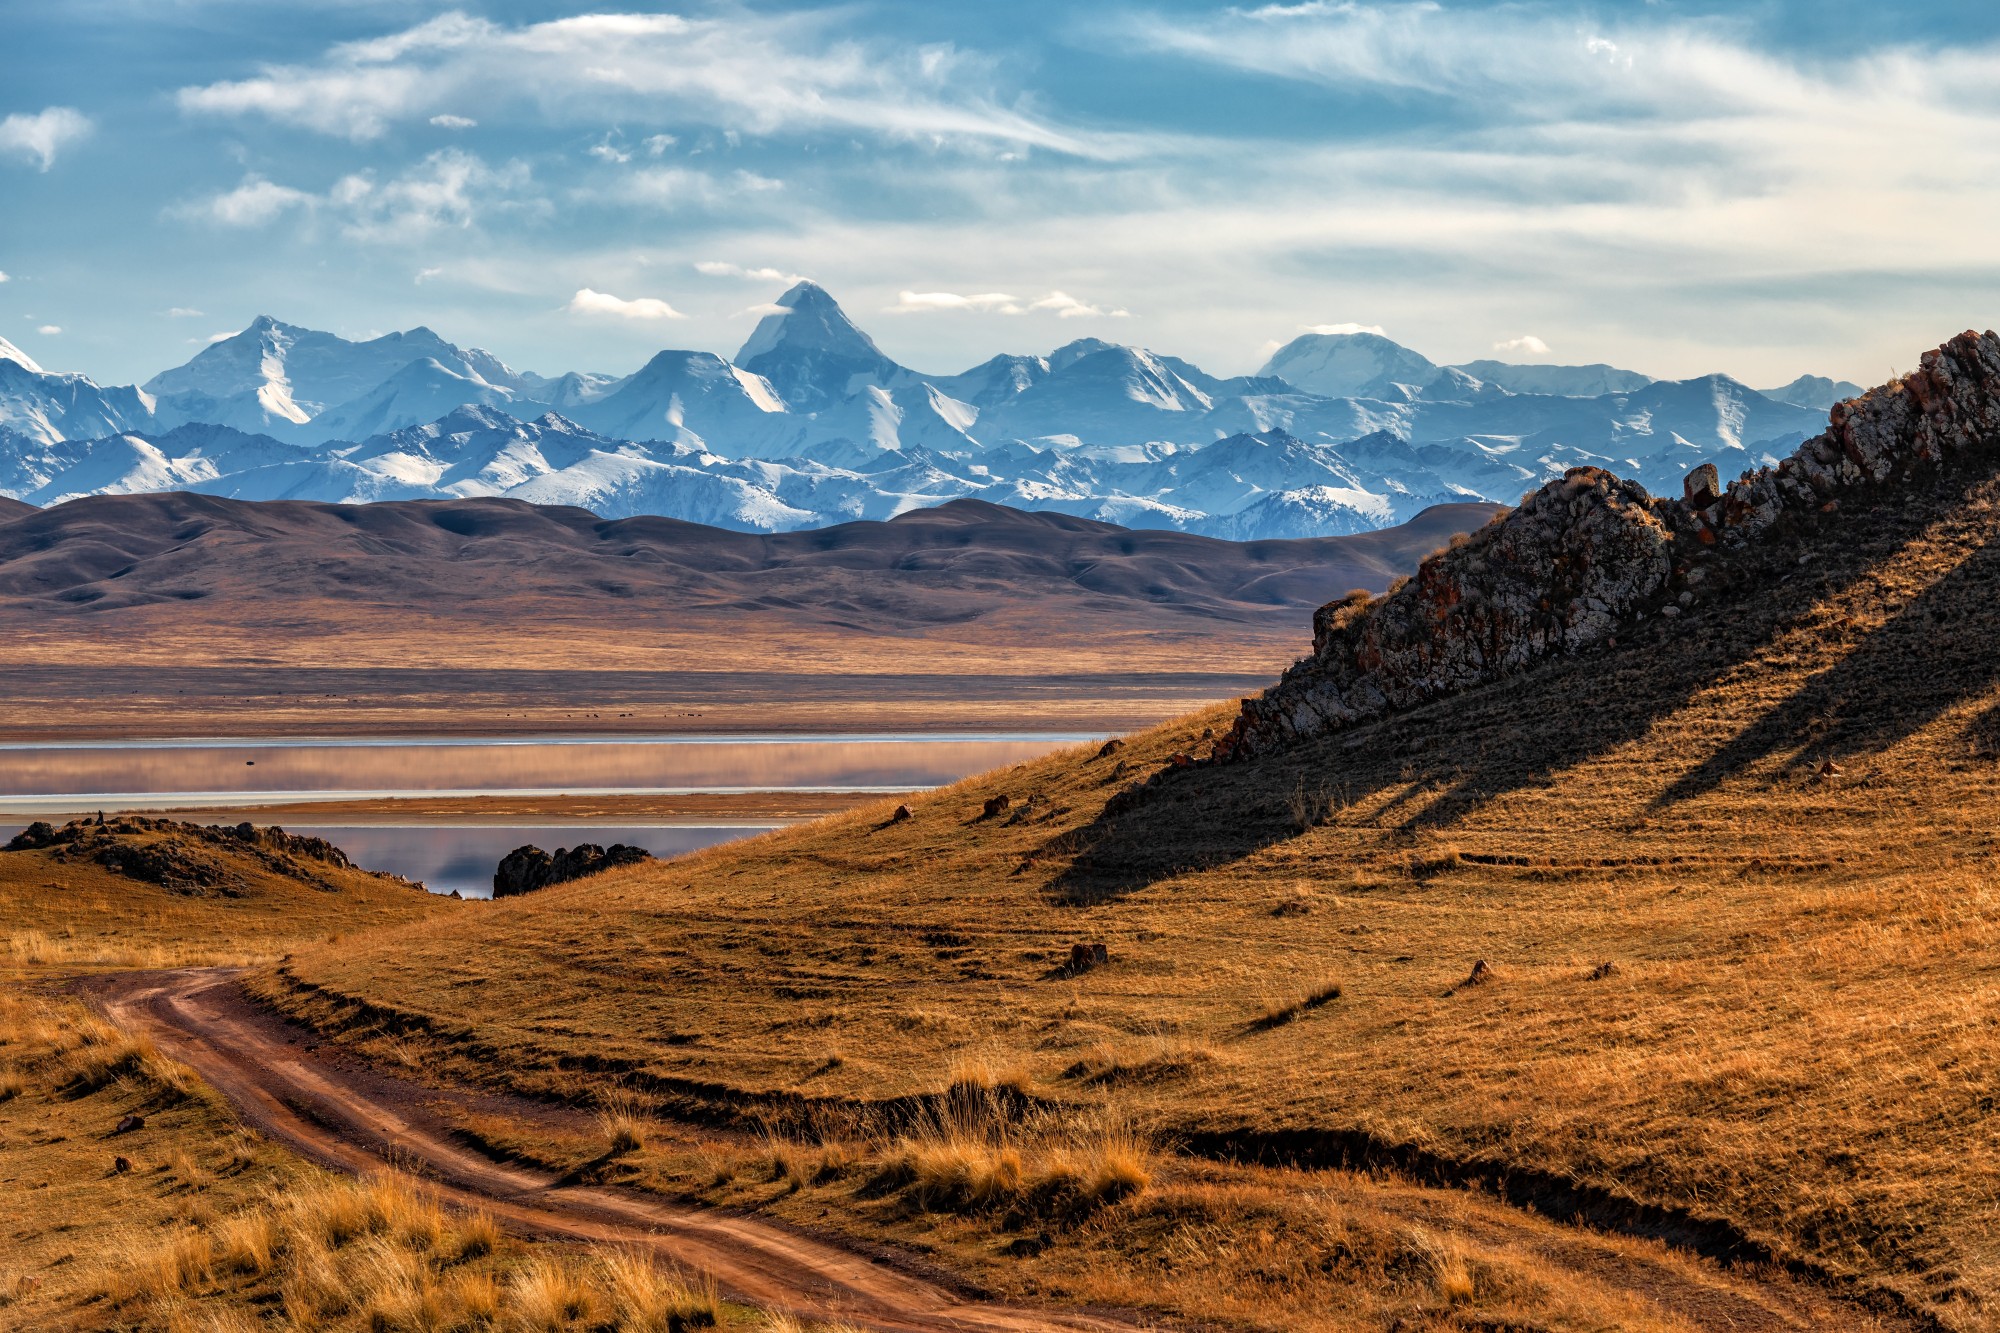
(67, 914)
(380, 1255)
(1794, 1044)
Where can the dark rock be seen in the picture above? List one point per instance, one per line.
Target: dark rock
(1603, 971)
(903, 812)
(526, 869)
(1479, 976)
(1110, 747)
(1703, 486)
(37, 835)
(1083, 957)
(121, 1165)
(997, 806)
(129, 1123)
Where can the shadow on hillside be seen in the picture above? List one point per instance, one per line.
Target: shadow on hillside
(1939, 651)
(1444, 762)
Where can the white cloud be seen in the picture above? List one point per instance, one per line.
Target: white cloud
(446, 190)
(739, 71)
(39, 137)
(926, 302)
(49, 330)
(214, 338)
(451, 122)
(762, 309)
(183, 312)
(588, 302)
(657, 144)
(252, 204)
(605, 152)
(1068, 307)
(1340, 329)
(1527, 343)
(6, 277)
(716, 268)
(675, 188)
(424, 275)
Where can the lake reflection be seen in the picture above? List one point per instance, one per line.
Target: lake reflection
(447, 857)
(56, 778)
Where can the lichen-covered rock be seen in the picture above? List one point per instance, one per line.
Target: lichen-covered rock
(1588, 554)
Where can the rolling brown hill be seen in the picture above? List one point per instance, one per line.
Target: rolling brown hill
(179, 612)
(946, 565)
(1681, 924)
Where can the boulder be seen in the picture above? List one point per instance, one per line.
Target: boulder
(526, 869)
(1083, 957)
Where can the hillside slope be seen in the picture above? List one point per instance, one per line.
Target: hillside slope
(180, 614)
(1687, 927)
(942, 565)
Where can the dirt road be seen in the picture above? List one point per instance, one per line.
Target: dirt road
(356, 1119)
(198, 1016)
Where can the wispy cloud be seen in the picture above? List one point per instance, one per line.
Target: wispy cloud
(588, 302)
(928, 302)
(49, 330)
(446, 190)
(716, 268)
(1527, 344)
(1068, 307)
(1342, 329)
(39, 137)
(759, 72)
(447, 121)
(1061, 304)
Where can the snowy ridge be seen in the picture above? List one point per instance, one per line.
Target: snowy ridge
(813, 424)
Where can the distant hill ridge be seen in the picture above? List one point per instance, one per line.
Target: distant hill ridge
(938, 566)
(1591, 555)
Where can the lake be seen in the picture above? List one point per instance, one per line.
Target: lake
(55, 780)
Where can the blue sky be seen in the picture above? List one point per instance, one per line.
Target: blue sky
(1766, 189)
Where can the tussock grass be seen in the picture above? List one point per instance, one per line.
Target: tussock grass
(1278, 1012)
(381, 1254)
(621, 1118)
(978, 1155)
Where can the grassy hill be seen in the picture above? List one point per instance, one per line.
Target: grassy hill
(1689, 929)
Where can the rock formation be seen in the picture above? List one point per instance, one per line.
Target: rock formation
(526, 869)
(1586, 555)
(180, 856)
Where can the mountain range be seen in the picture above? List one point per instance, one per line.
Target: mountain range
(812, 424)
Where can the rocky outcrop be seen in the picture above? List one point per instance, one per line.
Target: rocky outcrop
(1583, 557)
(179, 856)
(526, 869)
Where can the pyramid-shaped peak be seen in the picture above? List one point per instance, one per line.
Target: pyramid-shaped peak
(807, 318)
(813, 353)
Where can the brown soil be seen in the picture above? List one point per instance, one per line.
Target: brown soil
(352, 1121)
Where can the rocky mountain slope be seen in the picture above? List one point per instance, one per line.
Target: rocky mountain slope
(1591, 556)
(813, 424)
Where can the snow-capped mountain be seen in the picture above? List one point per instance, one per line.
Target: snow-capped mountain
(813, 354)
(812, 424)
(279, 377)
(46, 408)
(1814, 391)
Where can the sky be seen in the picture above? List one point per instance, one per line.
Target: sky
(1766, 188)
